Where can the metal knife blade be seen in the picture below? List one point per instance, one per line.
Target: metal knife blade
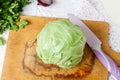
(91, 39)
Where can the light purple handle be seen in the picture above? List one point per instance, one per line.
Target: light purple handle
(108, 63)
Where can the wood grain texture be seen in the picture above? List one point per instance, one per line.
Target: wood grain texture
(38, 68)
(12, 68)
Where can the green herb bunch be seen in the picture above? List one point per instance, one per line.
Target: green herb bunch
(9, 15)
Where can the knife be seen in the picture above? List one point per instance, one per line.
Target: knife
(95, 44)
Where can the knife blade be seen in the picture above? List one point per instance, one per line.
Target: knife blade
(95, 45)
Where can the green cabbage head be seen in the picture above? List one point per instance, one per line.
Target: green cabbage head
(61, 43)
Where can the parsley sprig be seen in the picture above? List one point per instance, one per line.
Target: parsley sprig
(9, 15)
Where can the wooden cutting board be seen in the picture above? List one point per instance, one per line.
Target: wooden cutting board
(12, 69)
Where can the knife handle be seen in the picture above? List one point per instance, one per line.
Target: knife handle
(108, 63)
